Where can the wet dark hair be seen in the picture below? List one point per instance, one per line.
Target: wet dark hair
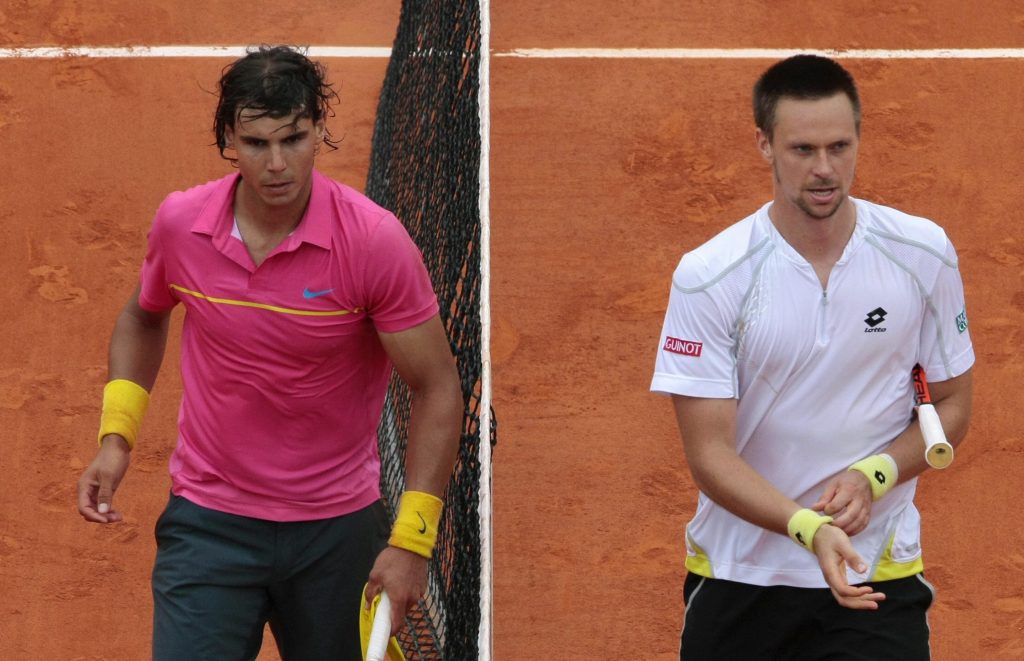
(805, 77)
(273, 81)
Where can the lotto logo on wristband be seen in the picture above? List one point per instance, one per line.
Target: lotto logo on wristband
(683, 347)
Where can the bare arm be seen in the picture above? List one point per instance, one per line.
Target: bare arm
(708, 428)
(423, 359)
(136, 351)
(138, 343)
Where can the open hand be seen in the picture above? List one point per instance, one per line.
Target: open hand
(834, 551)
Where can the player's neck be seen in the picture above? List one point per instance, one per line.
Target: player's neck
(263, 227)
(821, 241)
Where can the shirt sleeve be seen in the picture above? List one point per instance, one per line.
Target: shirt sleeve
(154, 293)
(696, 354)
(399, 292)
(946, 350)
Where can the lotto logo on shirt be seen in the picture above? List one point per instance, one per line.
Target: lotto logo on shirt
(683, 347)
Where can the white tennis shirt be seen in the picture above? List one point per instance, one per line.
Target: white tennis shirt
(823, 377)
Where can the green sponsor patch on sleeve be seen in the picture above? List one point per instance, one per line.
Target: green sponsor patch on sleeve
(961, 320)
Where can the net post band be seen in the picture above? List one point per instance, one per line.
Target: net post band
(881, 471)
(803, 525)
(415, 526)
(124, 406)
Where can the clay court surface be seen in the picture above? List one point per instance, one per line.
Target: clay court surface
(604, 171)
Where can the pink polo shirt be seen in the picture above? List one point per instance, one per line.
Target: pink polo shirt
(284, 375)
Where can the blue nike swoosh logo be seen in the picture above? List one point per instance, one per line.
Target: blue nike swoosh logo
(306, 293)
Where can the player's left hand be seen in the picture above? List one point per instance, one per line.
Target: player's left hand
(403, 574)
(834, 552)
(847, 499)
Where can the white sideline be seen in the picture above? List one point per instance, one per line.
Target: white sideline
(57, 52)
(762, 53)
(485, 637)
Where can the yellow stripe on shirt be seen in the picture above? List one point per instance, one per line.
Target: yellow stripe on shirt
(264, 306)
(889, 569)
(699, 563)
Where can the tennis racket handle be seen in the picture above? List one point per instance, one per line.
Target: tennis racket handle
(377, 648)
(937, 450)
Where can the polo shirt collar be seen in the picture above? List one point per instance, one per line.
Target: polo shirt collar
(856, 239)
(315, 226)
(216, 218)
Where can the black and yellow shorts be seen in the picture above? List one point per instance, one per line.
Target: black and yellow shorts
(729, 621)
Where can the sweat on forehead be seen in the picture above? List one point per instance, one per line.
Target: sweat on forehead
(249, 114)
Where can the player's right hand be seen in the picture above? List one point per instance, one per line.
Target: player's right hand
(834, 551)
(403, 574)
(847, 499)
(100, 480)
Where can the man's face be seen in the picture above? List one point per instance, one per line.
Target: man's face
(275, 155)
(813, 152)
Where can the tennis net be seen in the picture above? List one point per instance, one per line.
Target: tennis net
(426, 167)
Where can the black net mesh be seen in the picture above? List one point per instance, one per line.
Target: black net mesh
(425, 168)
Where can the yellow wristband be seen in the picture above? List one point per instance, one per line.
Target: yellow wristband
(415, 526)
(881, 471)
(124, 405)
(803, 525)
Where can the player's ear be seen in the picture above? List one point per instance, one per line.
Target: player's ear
(764, 145)
(229, 137)
(319, 128)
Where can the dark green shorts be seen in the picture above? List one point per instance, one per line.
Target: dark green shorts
(220, 578)
(729, 621)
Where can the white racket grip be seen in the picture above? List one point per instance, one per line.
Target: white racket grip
(377, 648)
(937, 450)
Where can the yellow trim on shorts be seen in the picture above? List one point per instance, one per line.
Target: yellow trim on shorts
(699, 564)
(264, 306)
(889, 569)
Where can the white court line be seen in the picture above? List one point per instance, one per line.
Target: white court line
(761, 53)
(485, 633)
(55, 52)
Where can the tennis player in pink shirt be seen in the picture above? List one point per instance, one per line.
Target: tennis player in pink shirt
(300, 295)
